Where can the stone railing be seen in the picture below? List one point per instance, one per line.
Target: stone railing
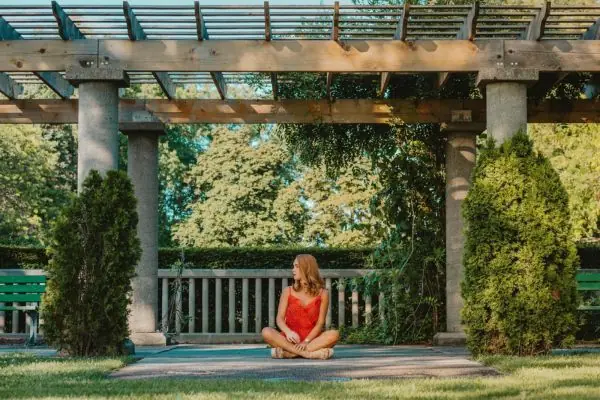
(234, 305)
(230, 305)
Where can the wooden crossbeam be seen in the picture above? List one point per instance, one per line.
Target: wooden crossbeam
(202, 32)
(8, 87)
(53, 79)
(360, 56)
(136, 32)
(535, 30)
(190, 111)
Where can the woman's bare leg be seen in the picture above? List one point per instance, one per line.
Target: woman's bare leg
(325, 339)
(275, 339)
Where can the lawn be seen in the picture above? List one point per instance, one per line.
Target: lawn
(29, 377)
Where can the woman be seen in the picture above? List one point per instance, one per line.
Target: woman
(301, 316)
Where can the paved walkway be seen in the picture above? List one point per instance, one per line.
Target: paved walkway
(349, 362)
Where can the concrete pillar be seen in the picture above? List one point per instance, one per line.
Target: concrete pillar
(506, 100)
(142, 168)
(460, 161)
(98, 118)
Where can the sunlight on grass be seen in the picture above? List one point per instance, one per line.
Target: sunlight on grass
(26, 376)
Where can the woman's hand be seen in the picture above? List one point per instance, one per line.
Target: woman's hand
(293, 337)
(301, 346)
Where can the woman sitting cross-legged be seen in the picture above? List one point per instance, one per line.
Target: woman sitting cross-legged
(301, 316)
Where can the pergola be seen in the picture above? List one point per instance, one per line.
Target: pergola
(515, 52)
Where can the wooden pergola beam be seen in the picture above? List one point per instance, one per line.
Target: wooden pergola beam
(53, 79)
(202, 33)
(8, 87)
(367, 56)
(190, 111)
(136, 32)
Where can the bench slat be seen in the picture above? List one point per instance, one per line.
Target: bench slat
(589, 308)
(588, 286)
(8, 298)
(588, 277)
(22, 288)
(18, 308)
(22, 278)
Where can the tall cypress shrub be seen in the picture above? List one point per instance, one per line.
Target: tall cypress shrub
(93, 254)
(519, 287)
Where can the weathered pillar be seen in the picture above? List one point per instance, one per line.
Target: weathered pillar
(506, 100)
(460, 160)
(98, 118)
(142, 168)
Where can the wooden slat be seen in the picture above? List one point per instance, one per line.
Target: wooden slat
(2, 319)
(22, 288)
(368, 309)
(178, 305)
(355, 309)
(588, 276)
(245, 301)
(231, 305)
(272, 302)
(580, 286)
(15, 320)
(205, 305)
(218, 305)
(8, 297)
(192, 305)
(341, 304)
(165, 305)
(588, 308)
(258, 305)
(381, 302)
(22, 279)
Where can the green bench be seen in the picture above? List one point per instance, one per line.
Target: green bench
(588, 280)
(17, 289)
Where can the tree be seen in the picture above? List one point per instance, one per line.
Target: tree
(520, 263)
(93, 253)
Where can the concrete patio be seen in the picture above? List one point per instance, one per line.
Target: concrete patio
(349, 362)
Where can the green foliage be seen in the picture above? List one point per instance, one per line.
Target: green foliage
(93, 254)
(520, 263)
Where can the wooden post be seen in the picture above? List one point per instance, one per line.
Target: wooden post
(341, 303)
(165, 305)
(272, 302)
(355, 309)
(218, 305)
(15, 319)
(244, 305)
(231, 305)
(204, 305)
(192, 305)
(328, 318)
(258, 305)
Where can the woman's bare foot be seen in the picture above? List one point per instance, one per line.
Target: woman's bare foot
(321, 354)
(278, 352)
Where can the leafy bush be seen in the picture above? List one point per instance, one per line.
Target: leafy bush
(93, 254)
(519, 288)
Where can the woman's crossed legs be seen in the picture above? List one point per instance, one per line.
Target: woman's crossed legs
(326, 339)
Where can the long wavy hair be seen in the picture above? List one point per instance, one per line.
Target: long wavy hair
(310, 269)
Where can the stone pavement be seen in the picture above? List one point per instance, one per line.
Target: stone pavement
(349, 362)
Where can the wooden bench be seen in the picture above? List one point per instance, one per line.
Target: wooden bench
(588, 280)
(23, 289)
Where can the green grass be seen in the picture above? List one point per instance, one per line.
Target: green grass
(29, 377)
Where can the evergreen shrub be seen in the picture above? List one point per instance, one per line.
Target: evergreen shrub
(93, 253)
(520, 264)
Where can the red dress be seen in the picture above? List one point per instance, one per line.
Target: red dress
(302, 318)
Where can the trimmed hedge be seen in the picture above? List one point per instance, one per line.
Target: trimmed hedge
(234, 257)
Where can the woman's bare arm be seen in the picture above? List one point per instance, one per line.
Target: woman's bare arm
(281, 309)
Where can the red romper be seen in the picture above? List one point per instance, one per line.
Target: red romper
(302, 318)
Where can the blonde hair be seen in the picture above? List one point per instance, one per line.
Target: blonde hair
(310, 269)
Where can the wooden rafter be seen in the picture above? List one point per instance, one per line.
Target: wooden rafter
(536, 27)
(187, 111)
(202, 32)
(66, 27)
(466, 32)
(274, 85)
(335, 36)
(399, 34)
(136, 32)
(8, 87)
(53, 79)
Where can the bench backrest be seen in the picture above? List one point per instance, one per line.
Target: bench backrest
(588, 279)
(22, 288)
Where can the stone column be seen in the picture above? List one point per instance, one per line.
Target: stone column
(506, 100)
(98, 118)
(142, 168)
(460, 160)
